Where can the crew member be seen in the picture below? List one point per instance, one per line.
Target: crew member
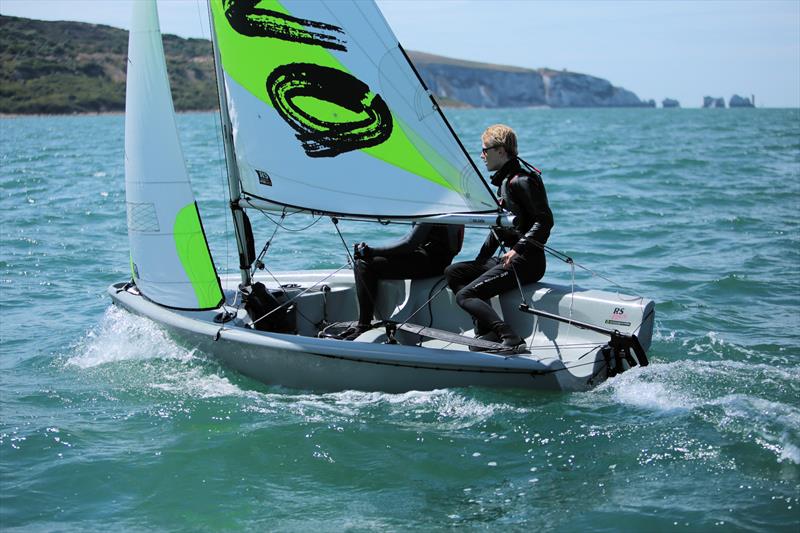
(521, 191)
(422, 253)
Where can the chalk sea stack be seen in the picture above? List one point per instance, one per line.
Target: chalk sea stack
(739, 101)
(710, 101)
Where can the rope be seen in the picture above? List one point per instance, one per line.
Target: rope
(572, 288)
(430, 298)
(570, 261)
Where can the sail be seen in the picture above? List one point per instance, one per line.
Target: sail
(328, 114)
(170, 260)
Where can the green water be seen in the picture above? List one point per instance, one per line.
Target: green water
(106, 423)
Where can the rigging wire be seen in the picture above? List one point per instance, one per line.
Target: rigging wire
(297, 308)
(350, 259)
(298, 295)
(259, 260)
(285, 214)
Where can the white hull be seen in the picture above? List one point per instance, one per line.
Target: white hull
(563, 357)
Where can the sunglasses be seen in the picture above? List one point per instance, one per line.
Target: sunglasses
(484, 150)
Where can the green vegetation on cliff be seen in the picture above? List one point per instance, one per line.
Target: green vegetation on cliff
(73, 67)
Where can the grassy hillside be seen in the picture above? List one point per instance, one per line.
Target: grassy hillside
(73, 67)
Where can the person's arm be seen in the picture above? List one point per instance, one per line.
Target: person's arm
(531, 196)
(489, 247)
(416, 237)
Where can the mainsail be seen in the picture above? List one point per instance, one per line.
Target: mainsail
(328, 114)
(170, 260)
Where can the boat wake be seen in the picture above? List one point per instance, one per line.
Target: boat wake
(720, 395)
(438, 410)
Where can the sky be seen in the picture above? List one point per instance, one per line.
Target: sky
(658, 49)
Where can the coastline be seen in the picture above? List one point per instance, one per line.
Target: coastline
(216, 109)
(92, 113)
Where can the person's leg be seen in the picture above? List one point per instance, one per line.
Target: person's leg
(366, 273)
(461, 274)
(474, 297)
(414, 265)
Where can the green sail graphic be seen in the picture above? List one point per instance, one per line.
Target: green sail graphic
(190, 244)
(250, 59)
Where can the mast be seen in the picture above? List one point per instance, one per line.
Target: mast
(244, 236)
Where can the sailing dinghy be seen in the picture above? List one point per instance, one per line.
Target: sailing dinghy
(323, 113)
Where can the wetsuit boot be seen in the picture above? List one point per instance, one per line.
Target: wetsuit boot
(507, 336)
(484, 334)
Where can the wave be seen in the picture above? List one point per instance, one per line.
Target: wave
(728, 395)
(437, 410)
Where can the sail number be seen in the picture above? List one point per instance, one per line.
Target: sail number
(291, 84)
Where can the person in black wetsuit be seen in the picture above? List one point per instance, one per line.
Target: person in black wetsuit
(521, 191)
(422, 253)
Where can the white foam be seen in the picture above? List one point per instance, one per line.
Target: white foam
(772, 425)
(712, 343)
(648, 388)
(122, 336)
(789, 452)
(652, 396)
(195, 382)
(445, 409)
(672, 388)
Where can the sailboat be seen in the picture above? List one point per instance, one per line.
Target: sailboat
(322, 112)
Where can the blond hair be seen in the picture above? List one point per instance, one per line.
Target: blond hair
(501, 135)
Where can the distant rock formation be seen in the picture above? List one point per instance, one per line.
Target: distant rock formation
(738, 101)
(709, 101)
(669, 102)
(487, 85)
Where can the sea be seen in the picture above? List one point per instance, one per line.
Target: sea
(106, 423)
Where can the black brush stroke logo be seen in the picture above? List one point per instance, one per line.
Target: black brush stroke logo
(321, 138)
(247, 19)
